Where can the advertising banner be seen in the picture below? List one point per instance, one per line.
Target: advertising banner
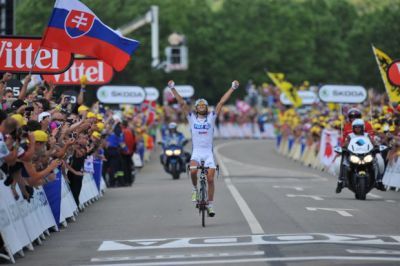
(17, 55)
(121, 94)
(342, 94)
(96, 71)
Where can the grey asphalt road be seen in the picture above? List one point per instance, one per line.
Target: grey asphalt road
(269, 211)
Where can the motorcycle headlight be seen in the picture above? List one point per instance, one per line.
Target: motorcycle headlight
(368, 158)
(169, 152)
(177, 152)
(355, 159)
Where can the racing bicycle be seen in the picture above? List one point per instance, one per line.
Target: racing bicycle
(202, 196)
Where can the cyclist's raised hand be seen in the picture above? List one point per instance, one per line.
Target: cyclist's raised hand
(225, 97)
(235, 84)
(185, 107)
(171, 84)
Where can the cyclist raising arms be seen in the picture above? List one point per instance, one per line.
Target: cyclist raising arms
(202, 123)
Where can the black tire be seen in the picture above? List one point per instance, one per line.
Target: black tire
(361, 189)
(175, 172)
(175, 175)
(203, 217)
(203, 208)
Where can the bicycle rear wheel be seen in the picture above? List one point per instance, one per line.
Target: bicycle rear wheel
(203, 217)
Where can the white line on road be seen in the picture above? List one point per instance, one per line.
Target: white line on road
(314, 197)
(281, 259)
(374, 196)
(251, 219)
(178, 256)
(373, 251)
(343, 212)
(390, 201)
(251, 240)
(290, 187)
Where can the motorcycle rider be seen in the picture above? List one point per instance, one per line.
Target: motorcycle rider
(172, 135)
(358, 129)
(352, 114)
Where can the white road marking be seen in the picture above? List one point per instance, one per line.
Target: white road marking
(290, 187)
(251, 240)
(178, 256)
(314, 197)
(343, 212)
(263, 169)
(374, 196)
(374, 251)
(221, 240)
(221, 163)
(391, 201)
(295, 238)
(281, 259)
(251, 219)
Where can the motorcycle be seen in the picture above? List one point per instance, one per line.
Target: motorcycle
(174, 158)
(363, 164)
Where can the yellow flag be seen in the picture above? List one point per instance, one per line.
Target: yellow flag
(383, 61)
(286, 87)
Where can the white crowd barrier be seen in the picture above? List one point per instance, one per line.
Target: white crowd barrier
(321, 156)
(22, 222)
(245, 130)
(391, 179)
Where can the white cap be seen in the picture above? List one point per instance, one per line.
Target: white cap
(172, 125)
(117, 118)
(43, 115)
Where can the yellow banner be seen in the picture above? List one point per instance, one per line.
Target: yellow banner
(286, 87)
(383, 61)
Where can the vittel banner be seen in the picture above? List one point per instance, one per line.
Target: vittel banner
(342, 94)
(17, 55)
(96, 71)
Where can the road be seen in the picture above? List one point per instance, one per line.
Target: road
(269, 211)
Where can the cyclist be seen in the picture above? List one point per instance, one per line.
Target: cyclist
(202, 123)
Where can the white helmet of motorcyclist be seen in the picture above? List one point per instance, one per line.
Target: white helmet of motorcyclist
(358, 123)
(172, 125)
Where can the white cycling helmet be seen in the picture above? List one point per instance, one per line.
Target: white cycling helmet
(198, 101)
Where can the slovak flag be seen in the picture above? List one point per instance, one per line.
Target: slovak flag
(74, 28)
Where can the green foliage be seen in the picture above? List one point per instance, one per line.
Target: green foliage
(323, 41)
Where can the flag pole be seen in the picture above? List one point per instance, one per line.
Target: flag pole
(34, 60)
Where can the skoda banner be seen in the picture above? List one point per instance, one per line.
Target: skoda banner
(152, 94)
(121, 94)
(342, 94)
(307, 98)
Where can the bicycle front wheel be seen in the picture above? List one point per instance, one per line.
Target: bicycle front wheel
(204, 207)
